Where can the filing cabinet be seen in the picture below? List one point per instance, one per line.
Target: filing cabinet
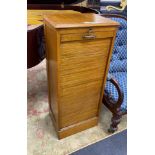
(78, 52)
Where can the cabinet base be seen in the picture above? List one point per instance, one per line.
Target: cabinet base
(70, 130)
(75, 128)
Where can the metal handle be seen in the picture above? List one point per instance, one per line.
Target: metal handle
(89, 36)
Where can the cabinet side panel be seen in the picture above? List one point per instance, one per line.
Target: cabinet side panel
(51, 62)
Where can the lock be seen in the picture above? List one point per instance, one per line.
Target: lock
(89, 35)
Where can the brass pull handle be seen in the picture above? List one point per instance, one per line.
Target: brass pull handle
(89, 36)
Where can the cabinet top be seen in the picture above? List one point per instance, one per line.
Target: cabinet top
(75, 20)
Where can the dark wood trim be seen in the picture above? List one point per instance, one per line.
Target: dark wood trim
(35, 50)
(114, 15)
(114, 107)
(117, 103)
(54, 1)
(115, 120)
(59, 7)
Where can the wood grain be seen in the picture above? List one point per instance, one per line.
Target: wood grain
(35, 17)
(77, 70)
(78, 20)
(77, 127)
(74, 37)
(52, 70)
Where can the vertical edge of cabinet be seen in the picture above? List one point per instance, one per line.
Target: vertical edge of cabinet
(107, 68)
(52, 46)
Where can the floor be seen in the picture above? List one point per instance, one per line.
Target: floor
(109, 146)
(41, 137)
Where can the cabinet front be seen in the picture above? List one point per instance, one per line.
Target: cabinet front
(82, 65)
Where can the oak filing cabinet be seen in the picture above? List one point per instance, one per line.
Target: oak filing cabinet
(78, 51)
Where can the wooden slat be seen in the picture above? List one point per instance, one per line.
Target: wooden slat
(82, 30)
(81, 77)
(98, 35)
(78, 117)
(81, 48)
(83, 56)
(82, 89)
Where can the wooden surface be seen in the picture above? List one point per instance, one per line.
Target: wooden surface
(78, 20)
(77, 69)
(35, 17)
